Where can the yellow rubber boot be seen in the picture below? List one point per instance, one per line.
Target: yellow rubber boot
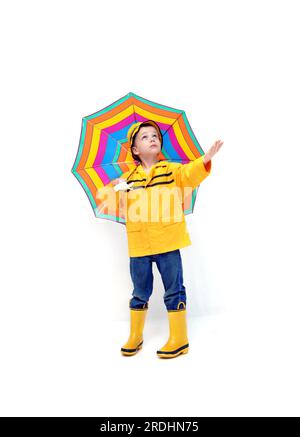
(135, 341)
(178, 342)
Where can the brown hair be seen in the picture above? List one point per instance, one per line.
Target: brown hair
(145, 124)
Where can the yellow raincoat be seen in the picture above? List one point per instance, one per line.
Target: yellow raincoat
(153, 209)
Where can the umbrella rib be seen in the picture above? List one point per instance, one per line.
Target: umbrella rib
(110, 163)
(114, 139)
(176, 119)
(117, 141)
(180, 115)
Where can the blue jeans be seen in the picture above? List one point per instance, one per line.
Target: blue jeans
(169, 265)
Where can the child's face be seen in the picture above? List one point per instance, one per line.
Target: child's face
(147, 143)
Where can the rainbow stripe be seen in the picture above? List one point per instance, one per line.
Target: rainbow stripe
(103, 153)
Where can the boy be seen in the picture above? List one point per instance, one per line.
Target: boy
(157, 230)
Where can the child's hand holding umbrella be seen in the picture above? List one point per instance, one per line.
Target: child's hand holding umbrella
(120, 184)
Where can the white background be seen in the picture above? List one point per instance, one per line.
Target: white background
(234, 68)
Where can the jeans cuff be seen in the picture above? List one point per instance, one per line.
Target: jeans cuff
(139, 306)
(180, 307)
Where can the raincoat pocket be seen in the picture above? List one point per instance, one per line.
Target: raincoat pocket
(135, 236)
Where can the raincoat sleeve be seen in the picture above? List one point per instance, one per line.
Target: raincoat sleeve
(193, 173)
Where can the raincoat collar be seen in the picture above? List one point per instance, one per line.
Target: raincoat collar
(148, 175)
(139, 169)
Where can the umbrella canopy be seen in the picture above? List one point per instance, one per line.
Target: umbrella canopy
(104, 152)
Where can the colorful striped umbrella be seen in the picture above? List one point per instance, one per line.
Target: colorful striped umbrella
(104, 153)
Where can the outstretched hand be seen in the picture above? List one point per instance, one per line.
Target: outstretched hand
(212, 151)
